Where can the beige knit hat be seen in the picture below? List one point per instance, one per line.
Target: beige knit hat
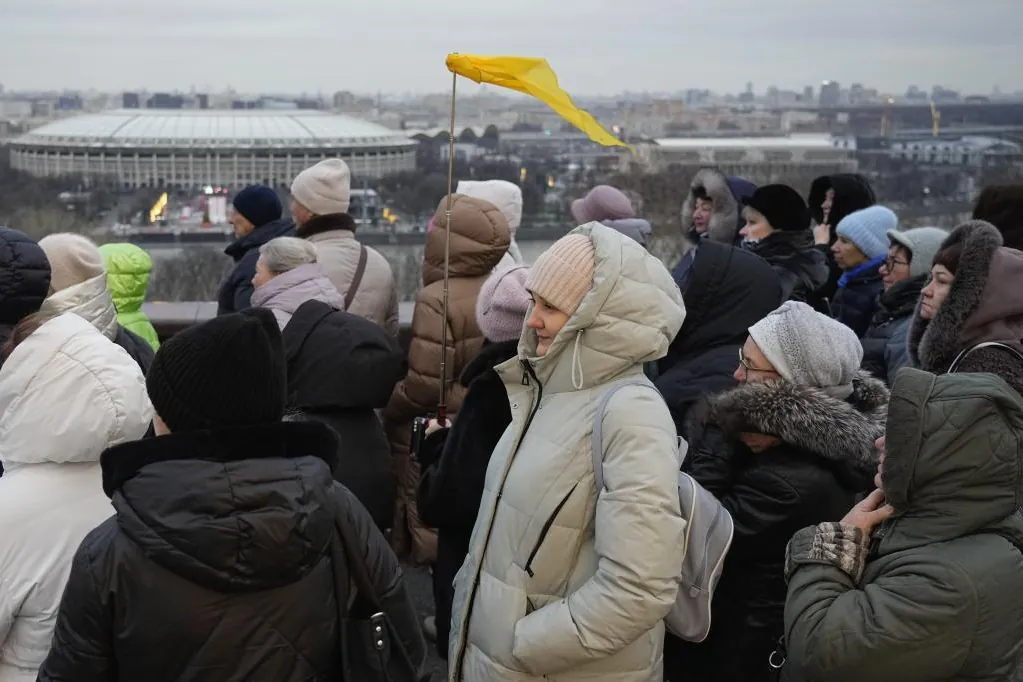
(563, 274)
(73, 259)
(325, 189)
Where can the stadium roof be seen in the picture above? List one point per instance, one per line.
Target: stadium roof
(215, 128)
(805, 141)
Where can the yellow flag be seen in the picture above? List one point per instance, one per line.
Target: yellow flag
(533, 77)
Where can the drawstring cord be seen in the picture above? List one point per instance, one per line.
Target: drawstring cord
(577, 362)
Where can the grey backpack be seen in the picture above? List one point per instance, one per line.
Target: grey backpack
(708, 534)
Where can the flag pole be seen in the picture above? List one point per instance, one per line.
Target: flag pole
(442, 403)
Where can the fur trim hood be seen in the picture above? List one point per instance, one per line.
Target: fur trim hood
(806, 418)
(721, 190)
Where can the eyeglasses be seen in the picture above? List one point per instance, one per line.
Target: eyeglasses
(890, 263)
(752, 368)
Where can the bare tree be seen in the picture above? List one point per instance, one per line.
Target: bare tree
(195, 274)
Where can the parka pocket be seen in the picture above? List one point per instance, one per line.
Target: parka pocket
(546, 529)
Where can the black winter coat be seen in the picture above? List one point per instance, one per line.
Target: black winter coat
(454, 467)
(236, 291)
(824, 458)
(803, 269)
(727, 290)
(341, 368)
(24, 279)
(854, 304)
(852, 193)
(137, 347)
(216, 566)
(886, 342)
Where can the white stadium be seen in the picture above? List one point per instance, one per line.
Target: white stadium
(189, 149)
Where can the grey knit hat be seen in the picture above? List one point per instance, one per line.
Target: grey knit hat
(922, 243)
(809, 349)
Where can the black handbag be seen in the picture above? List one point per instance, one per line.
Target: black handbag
(371, 650)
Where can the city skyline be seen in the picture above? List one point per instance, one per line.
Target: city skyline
(396, 46)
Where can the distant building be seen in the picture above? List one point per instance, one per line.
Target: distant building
(750, 156)
(131, 100)
(203, 101)
(163, 100)
(968, 151)
(831, 95)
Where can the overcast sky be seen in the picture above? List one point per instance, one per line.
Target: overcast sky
(595, 46)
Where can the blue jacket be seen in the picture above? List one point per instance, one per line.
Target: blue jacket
(886, 344)
(236, 291)
(856, 299)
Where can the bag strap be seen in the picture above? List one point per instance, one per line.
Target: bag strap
(986, 344)
(597, 437)
(356, 567)
(360, 270)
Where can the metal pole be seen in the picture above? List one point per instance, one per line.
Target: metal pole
(442, 404)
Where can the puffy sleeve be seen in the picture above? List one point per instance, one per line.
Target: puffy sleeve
(419, 391)
(912, 623)
(639, 531)
(82, 648)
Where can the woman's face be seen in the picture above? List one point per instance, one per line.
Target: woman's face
(701, 214)
(263, 275)
(753, 365)
(935, 292)
(547, 321)
(757, 228)
(829, 201)
(896, 268)
(847, 254)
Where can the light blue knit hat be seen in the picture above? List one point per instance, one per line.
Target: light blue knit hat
(868, 229)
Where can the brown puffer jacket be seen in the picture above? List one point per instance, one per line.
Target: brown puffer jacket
(479, 238)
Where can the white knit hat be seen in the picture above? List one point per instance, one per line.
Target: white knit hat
(73, 258)
(809, 349)
(324, 189)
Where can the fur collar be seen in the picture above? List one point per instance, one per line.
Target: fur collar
(807, 418)
(490, 356)
(934, 344)
(724, 217)
(326, 223)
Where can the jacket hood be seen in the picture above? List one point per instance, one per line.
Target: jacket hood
(725, 214)
(852, 193)
(128, 269)
(983, 302)
(66, 394)
(629, 316)
(952, 462)
(1002, 206)
(634, 228)
(261, 235)
(729, 290)
(479, 238)
(24, 276)
(89, 300)
(337, 360)
(288, 291)
(806, 418)
(505, 195)
(233, 510)
(795, 252)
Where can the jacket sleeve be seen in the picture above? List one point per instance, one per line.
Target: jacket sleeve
(711, 460)
(384, 570)
(896, 351)
(393, 324)
(639, 533)
(419, 391)
(912, 623)
(82, 648)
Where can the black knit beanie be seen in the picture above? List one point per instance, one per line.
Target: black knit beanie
(781, 206)
(227, 372)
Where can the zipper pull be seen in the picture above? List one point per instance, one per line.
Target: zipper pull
(525, 372)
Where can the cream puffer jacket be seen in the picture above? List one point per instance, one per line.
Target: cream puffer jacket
(561, 584)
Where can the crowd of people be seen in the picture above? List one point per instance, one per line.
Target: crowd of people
(232, 503)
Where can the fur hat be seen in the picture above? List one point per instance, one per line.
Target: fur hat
(868, 229)
(603, 202)
(922, 243)
(563, 274)
(324, 189)
(502, 303)
(781, 206)
(73, 259)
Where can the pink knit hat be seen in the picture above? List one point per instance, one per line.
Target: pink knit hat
(603, 202)
(563, 274)
(502, 303)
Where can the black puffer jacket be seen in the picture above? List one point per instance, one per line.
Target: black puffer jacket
(854, 304)
(454, 465)
(727, 291)
(216, 566)
(236, 291)
(825, 457)
(341, 368)
(885, 345)
(24, 279)
(803, 270)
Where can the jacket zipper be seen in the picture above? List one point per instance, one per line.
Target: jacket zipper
(527, 374)
(546, 529)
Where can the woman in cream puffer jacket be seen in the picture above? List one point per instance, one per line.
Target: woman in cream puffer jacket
(562, 583)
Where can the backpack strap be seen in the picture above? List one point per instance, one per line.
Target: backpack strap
(597, 437)
(360, 270)
(986, 344)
